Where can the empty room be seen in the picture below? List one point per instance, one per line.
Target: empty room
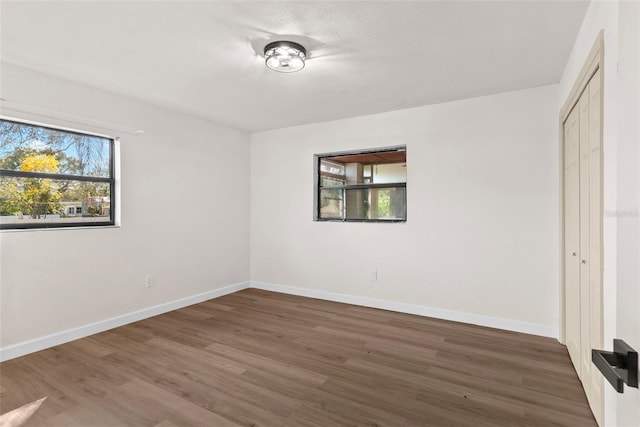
(319, 213)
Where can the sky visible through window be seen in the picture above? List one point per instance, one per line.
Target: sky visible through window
(77, 154)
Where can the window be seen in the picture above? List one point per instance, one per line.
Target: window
(361, 186)
(54, 178)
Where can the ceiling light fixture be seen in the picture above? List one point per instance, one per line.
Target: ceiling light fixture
(284, 56)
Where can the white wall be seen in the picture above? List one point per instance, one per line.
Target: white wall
(481, 232)
(185, 203)
(621, 133)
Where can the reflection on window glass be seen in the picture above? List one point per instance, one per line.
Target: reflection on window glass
(376, 204)
(331, 182)
(329, 167)
(331, 203)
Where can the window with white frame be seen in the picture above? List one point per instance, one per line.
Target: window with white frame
(364, 185)
(52, 177)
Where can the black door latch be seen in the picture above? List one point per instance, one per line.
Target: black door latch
(618, 367)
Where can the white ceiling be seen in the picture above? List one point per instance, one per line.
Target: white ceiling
(205, 57)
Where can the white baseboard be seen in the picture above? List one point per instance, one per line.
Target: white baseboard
(420, 310)
(41, 343)
(37, 344)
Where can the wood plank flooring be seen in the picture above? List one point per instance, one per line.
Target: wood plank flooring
(257, 358)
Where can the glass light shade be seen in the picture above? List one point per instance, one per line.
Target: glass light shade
(284, 56)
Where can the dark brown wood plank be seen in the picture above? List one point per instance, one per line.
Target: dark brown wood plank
(259, 358)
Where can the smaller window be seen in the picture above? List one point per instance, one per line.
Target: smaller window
(366, 186)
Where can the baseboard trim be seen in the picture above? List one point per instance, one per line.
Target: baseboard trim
(41, 343)
(438, 313)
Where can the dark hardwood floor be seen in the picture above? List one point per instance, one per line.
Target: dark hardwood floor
(257, 358)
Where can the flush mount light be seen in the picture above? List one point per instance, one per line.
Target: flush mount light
(284, 56)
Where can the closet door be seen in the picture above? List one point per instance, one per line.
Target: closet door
(572, 237)
(583, 238)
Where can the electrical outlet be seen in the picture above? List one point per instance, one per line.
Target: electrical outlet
(150, 280)
(373, 275)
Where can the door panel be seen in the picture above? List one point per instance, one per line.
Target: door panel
(572, 237)
(596, 384)
(585, 296)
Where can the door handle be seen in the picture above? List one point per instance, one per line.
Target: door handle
(619, 367)
(573, 254)
(584, 261)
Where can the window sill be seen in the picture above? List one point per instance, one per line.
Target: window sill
(22, 230)
(369, 221)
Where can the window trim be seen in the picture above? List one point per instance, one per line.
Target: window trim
(111, 180)
(317, 158)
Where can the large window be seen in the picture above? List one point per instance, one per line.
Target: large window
(54, 178)
(365, 185)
